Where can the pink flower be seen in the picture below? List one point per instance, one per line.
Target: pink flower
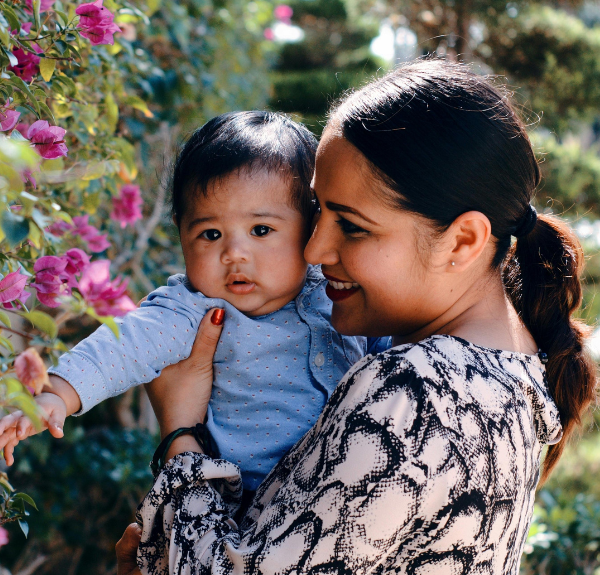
(269, 34)
(96, 23)
(98, 243)
(126, 208)
(8, 119)
(28, 65)
(51, 279)
(77, 261)
(59, 228)
(283, 13)
(45, 5)
(106, 297)
(3, 537)
(22, 128)
(12, 287)
(31, 371)
(48, 140)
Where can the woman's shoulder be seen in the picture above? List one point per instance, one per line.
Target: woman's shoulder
(447, 374)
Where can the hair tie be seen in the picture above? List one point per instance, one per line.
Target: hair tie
(527, 223)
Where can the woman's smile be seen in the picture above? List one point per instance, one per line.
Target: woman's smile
(338, 289)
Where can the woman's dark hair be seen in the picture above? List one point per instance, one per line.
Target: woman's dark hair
(245, 140)
(445, 141)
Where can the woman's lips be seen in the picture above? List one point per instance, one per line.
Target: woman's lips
(241, 288)
(338, 290)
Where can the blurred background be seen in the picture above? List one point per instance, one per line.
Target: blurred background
(193, 59)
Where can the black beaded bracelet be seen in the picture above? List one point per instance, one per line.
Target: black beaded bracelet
(200, 434)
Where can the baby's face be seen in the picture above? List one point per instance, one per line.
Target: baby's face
(244, 242)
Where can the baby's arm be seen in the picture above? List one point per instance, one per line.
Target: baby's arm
(55, 404)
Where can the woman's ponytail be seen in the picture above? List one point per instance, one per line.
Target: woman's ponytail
(542, 278)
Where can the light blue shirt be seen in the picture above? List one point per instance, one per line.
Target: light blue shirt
(272, 374)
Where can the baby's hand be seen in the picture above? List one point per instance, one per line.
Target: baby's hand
(16, 426)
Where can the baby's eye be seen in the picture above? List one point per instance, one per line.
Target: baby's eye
(211, 235)
(260, 231)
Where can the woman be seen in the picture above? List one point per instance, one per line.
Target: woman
(427, 456)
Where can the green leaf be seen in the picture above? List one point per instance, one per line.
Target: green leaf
(47, 66)
(68, 83)
(62, 16)
(139, 104)
(4, 36)
(42, 321)
(5, 342)
(23, 524)
(44, 108)
(36, 13)
(112, 111)
(10, 15)
(4, 318)
(26, 498)
(15, 227)
(16, 81)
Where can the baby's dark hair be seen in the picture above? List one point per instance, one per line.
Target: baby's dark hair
(245, 140)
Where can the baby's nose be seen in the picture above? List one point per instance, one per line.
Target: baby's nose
(235, 252)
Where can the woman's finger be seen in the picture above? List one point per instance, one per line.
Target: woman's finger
(207, 338)
(8, 435)
(126, 549)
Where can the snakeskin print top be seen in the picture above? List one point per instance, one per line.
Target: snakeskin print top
(424, 461)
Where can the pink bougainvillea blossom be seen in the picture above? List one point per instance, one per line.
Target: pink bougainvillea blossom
(283, 13)
(45, 5)
(47, 140)
(12, 286)
(22, 128)
(126, 208)
(27, 67)
(31, 371)
(97, 23)
(3, 537)
(77, 261)
(269, 34)
(105, 296)
(59, 228)
(51, 279)
(8, 119)
(96, 242)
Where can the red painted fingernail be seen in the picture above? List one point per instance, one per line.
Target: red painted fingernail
(217, 317)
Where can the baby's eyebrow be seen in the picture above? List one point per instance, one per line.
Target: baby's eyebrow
(197, 221)
(266, 215)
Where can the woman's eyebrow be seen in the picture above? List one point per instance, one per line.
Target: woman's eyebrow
(347, 209)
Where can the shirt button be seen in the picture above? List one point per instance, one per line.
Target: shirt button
(319, 359)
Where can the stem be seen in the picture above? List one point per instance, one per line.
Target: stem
(17, 332)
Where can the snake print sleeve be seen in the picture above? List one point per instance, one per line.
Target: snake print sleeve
(425, 460)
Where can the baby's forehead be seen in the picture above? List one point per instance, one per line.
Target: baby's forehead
(249, 188)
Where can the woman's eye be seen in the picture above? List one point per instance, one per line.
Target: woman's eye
(211, 235)
(260, 231)
(349, 228)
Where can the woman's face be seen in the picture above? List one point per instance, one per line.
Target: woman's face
(371, 248)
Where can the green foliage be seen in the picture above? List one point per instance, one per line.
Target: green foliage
(553, 58)
(87, 487)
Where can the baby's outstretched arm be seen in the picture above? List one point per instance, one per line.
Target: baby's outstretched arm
(56, 403)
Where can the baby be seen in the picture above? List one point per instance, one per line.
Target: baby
(243, 205)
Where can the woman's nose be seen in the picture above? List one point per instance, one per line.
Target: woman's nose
(235, 252)
(321, 248)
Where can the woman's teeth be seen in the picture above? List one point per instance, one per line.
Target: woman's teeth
(342, 285)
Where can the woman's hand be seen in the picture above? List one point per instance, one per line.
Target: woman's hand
(180, 395)
(126, 549)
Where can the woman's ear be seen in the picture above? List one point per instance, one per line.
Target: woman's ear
(467, 237)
